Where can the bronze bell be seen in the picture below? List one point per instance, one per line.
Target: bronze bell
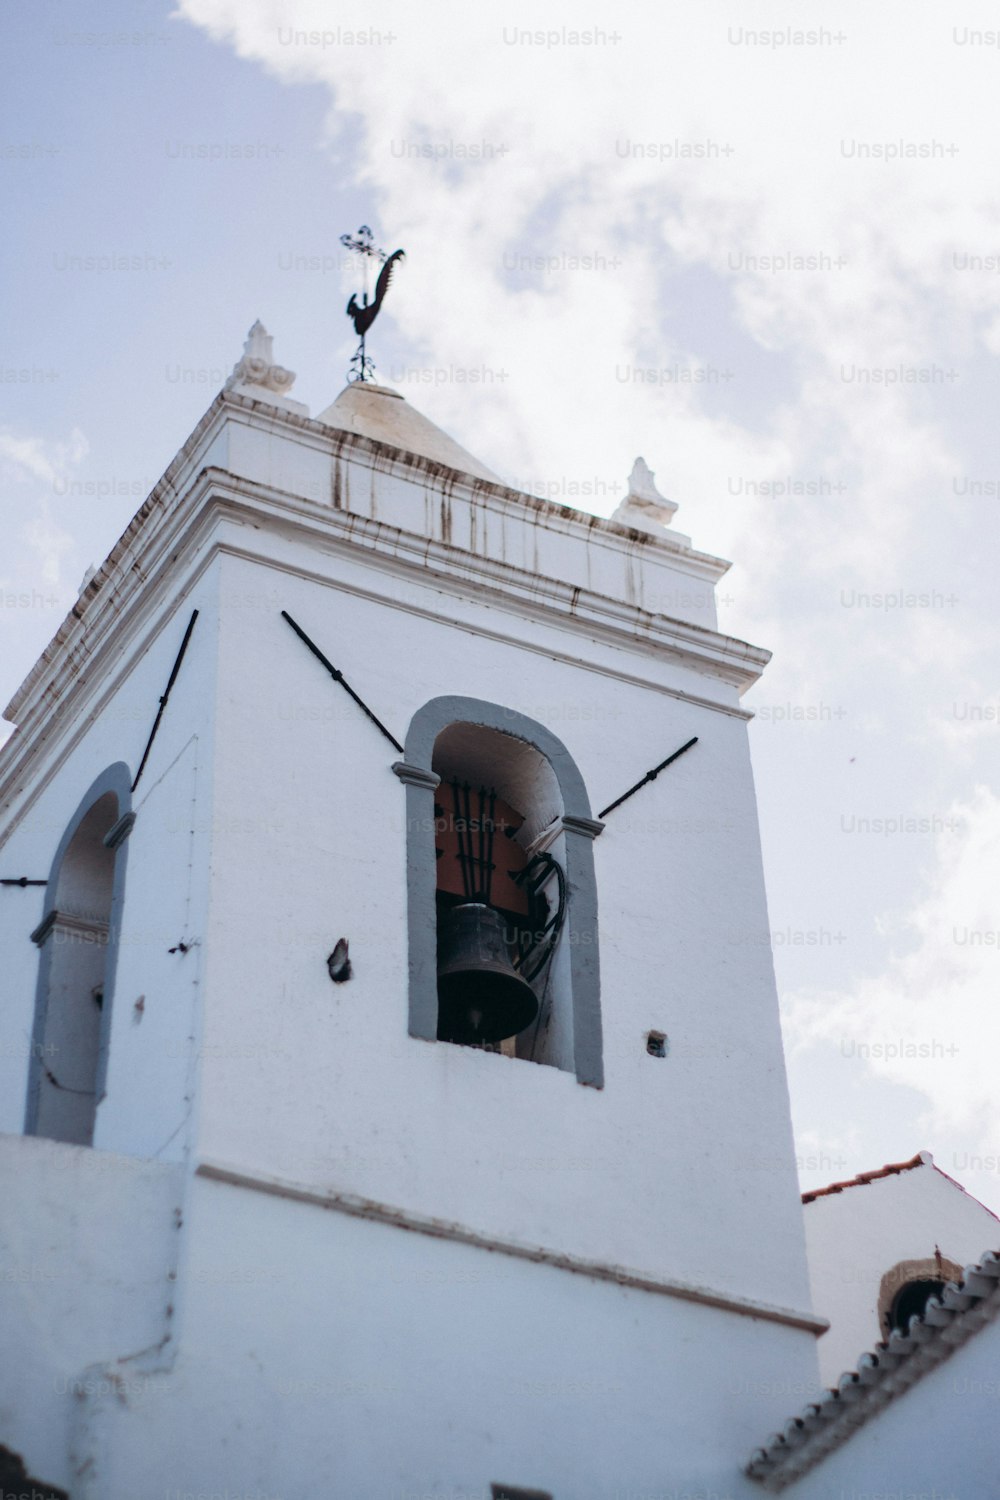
(481, 997)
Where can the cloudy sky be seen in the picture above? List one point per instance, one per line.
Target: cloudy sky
(758, 244)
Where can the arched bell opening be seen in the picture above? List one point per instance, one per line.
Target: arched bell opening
(500, 891)
(542, 894)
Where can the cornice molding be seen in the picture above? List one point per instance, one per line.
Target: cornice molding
(416, 776)
(86, 927)
(162, 503)
(588, 828)
(401, 463)
(174, 546)
(119, 832)
(443, 1229)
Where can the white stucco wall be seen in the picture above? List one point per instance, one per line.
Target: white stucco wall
(677, 1161)
(269, 824)
(87, 1245)
(423, 1367)
(856, 1236)
(149, 1073)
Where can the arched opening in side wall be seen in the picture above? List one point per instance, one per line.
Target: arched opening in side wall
(78, 939)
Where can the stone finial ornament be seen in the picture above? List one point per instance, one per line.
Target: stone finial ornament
(644, 508)
(257, 367)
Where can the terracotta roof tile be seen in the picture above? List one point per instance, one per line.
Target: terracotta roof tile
(922, 1159)
(891, 1368)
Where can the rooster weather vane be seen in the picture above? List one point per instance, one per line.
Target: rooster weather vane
(364, 314)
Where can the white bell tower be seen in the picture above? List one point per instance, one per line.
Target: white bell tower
(295, 1237)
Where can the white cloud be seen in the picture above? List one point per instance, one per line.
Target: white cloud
(35, 470)
(931, 1020)
(573, 122)
(50, 543)
(25, 457)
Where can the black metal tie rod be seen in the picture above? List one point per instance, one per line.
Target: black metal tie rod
(163, 701)
(22, 881)
(339, 677)
(649, 776)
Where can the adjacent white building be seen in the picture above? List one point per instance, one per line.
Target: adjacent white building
(880, 1244)
(272, 1229)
